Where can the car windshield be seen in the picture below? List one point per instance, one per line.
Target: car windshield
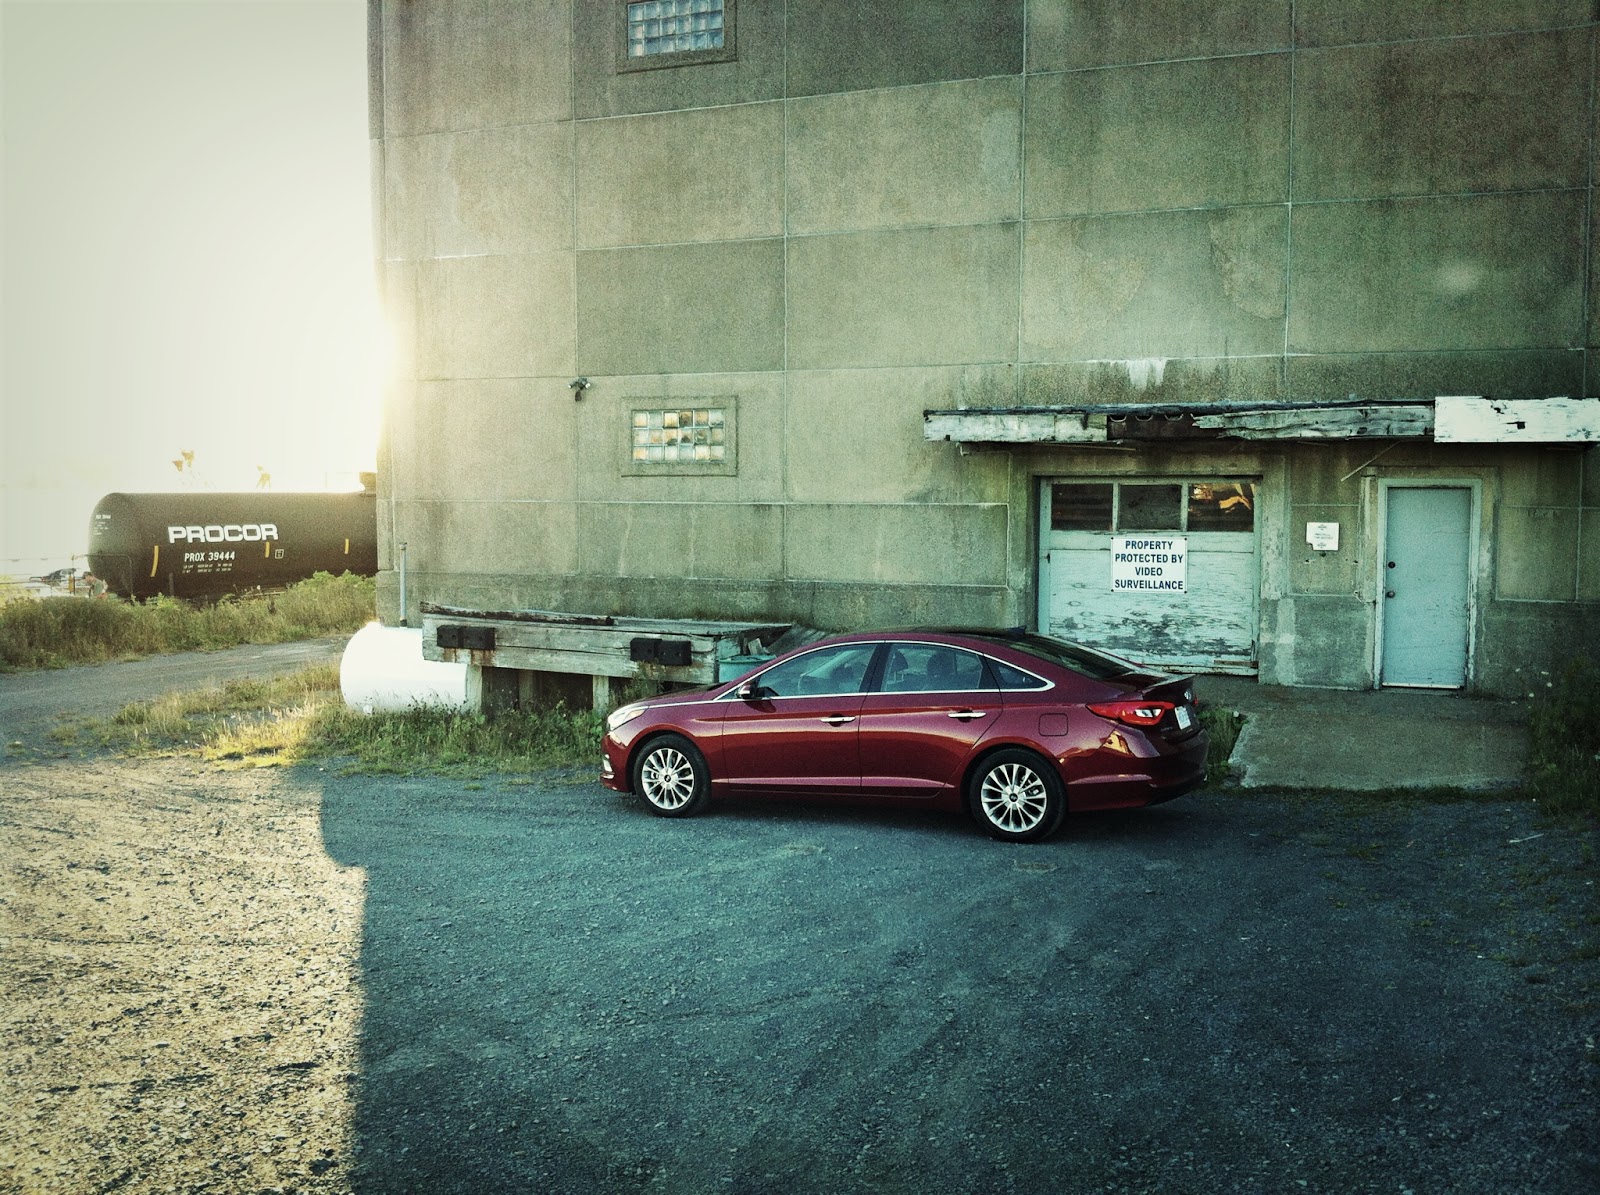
(1091, 663)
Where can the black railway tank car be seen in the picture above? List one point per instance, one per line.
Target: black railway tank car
(206, 544)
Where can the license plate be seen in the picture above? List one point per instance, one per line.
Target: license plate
(1185, 718)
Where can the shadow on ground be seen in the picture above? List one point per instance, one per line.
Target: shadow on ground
(563, 993)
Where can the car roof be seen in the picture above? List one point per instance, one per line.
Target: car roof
(932, 634)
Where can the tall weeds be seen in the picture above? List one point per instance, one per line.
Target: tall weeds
(300, 716)
(59, 632)
(434, 740)
(1564, 742)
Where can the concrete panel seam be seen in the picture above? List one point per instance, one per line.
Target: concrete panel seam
(572, 180)
(1122, 66)
(1299, 354)
(475, 129)
(1564, 603)
(414, 501)
(854, 91)
(1287, 205)
(663, 112)
(1022, 197)
(1288, 232)
(1413, 196)
(875, 229)
(974, 587)
(1446, 37)
(1074, 217)
(1588, 223)
(675, 245)
(597, 378)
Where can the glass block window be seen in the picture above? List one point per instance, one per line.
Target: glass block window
(674, 27)
(680, 436)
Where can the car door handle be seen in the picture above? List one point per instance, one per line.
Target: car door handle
(838, 719)
(965, 715)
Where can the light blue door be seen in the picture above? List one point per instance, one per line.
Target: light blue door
(1425, 594)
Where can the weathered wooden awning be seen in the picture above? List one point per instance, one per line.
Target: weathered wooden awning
(1445, 420)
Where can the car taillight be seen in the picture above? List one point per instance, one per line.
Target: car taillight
(1133, 713)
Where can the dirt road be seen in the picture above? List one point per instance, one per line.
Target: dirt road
(30, 702)
(257, 981)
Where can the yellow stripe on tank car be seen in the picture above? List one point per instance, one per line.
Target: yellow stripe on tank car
(347, 547)
(155, 558)
(266, 550)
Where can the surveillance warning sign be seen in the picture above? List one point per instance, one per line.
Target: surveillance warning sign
(1149, 563)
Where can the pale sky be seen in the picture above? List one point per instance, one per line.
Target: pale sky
(187, 255)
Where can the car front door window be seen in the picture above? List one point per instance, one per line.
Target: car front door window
(828, 672)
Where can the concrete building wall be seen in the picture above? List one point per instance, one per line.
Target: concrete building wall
(878, 208)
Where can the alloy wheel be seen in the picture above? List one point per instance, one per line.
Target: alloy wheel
(667, 778)
(1014, 798)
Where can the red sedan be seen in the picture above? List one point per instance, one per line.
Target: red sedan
(1016, 728)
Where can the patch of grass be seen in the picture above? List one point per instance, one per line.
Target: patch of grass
(440, 742)
(301, 717)
(1564, 743)
(231, 713)
(1223, 725)
(60, 632)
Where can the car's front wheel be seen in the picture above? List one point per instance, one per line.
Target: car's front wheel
(1017, 796)
(672, 777)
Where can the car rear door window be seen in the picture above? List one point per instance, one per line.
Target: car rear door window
(932, 668)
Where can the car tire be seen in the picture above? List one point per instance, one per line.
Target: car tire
(671, 775)
(1017, 796)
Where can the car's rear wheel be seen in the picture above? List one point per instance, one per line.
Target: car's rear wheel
(1016, 795)
(672, 777)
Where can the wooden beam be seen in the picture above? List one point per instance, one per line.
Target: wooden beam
(588, 648)
(1013, 427)
(1088, 425)
(1382, 421)
(1470, 420)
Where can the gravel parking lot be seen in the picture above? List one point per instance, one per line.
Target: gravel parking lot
(257, 981)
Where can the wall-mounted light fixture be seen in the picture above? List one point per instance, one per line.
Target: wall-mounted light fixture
(578, 386)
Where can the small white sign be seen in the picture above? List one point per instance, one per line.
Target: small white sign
(1323, 537)
(1149, 563)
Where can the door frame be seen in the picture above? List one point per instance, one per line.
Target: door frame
(1474, 488)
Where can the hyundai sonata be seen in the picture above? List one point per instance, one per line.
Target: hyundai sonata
(1017, 728)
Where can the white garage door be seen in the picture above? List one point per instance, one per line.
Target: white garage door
(1162, 572)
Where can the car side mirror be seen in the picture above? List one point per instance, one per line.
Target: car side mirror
(750, 691)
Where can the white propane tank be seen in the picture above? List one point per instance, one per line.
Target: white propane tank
(383, 671)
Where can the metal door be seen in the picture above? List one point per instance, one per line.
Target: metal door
(928, 713)
(1426, 590)
(797, 732)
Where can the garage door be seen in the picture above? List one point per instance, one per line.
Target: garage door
(1162, 572)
